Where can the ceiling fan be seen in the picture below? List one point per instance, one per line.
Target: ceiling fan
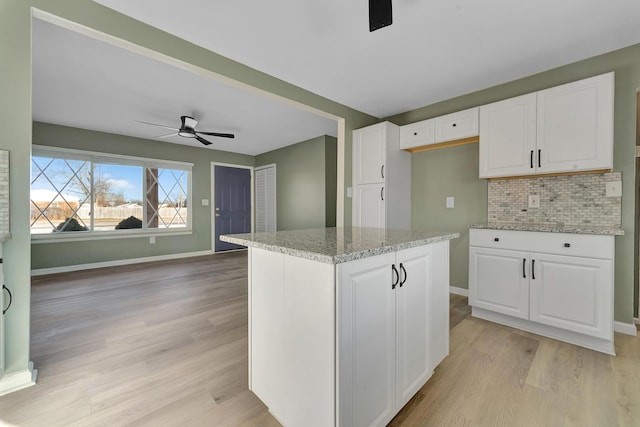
(188, 130)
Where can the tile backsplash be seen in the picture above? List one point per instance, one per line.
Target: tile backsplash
(573, 200)
(4, 192)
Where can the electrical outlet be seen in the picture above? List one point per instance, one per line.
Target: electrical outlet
(614, 189)
(349, 192)
(152, 240)
(534, 200)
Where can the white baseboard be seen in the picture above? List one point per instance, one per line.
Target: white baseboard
(18, 380)
(78, 267)
(625, 328)
(459, 291)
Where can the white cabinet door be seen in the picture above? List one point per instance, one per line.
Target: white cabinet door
(508, 137)
(369, 206)
(412, 322)
(499, 281)
(458, 125)
(417, 134)
(369, 154)
(572, 293)
(575, 126)
(367, 337)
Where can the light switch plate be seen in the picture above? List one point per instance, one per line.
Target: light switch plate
(349, 192)
(450, 202)
(205, 202)
(534, 200)
(152, 240)
(614, 189)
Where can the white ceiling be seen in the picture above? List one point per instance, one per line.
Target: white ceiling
(435, 49)
(83, 82)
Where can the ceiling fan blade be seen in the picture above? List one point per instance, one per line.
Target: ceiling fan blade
(155, 124)
(202, 140)
(220, 135)
(167, 135)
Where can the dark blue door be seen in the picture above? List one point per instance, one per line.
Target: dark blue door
(232, 207)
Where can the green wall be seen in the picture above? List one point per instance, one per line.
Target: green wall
(45, 255)
(453, 172)
(305, 183)
(455, 163)
(15, 120)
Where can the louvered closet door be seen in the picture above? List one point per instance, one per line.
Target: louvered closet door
(265, 188)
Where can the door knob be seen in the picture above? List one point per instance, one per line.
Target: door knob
(217, 214)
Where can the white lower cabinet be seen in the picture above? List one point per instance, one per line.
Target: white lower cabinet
(498, 281)
(572, 293)
(346, 344)
(553, 284)
(393, 330)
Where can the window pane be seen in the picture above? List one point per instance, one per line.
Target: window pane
(118, 197)
(59, 189)
(166, 198)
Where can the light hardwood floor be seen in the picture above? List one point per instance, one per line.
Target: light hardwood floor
(165, 344)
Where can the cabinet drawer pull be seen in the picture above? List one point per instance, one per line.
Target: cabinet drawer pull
(454, 125)
(496, 239)
(524, 272)
(415, 134)
(382, 193)
(403, 270)
(394, 272)
(382, 171)
(567, 245)
(533, 271)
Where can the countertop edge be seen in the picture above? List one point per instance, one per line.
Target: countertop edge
(341, 258)
(598, 231)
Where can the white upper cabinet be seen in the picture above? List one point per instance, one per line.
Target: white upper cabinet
(369, 153)
(568, 128)
(459, 125)
(417, 134)
(451, 127)
(575, 126)
(508, 137)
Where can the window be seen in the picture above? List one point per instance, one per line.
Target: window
(83, 193)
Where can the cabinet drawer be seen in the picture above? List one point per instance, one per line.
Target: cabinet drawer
(582, 245)
(417, 134)
(461, 124)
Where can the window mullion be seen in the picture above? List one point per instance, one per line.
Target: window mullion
(92, 198)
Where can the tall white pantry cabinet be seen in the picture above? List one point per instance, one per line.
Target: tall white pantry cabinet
(381, 178)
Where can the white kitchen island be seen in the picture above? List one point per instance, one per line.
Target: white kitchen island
(345, 324)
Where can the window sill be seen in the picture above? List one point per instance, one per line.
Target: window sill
(78, 236)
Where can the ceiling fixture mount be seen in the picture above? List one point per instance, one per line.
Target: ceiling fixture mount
(188, 130)
(379, 14)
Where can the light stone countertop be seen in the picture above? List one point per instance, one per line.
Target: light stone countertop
(338, 245)
(548, 228)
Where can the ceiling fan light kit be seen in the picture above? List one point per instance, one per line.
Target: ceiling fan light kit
(188, 130)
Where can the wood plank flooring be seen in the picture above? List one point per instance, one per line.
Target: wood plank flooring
(165, 344)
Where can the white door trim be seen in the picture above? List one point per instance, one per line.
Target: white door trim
(213, 197)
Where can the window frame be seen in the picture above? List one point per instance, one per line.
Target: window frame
(117, 159)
